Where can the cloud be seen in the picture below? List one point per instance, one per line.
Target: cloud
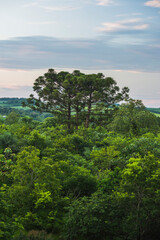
(129, 14)
(60, 8)
(44, 4)
(33, 4)
(42, 23)
(16, 91)
(105, 2)
(38, 52)
(153, 3)
(127, 24)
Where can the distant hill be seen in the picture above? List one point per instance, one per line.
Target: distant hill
(156, 111)
(11, 102)
(8, 105)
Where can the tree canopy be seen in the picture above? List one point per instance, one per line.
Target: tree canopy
(75, 97)
(97, 181)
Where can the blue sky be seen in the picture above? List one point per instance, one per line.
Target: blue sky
(117, 37)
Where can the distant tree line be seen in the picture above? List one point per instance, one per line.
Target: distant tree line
(12, 101)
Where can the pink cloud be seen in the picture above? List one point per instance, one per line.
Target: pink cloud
(105, 2)
(60, 8)
(127, 24)
(141, 27)
(127, 71)
(151, 102)
(42, 23)
(153, 3)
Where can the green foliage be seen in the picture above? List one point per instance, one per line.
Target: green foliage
(138, 195)
(105, 158)
(71, 97)
(37, 140)
(86, 183)
(8, 225)
(142, 146)
(77, 181)
(8, 140)
(12, 118)
(87, 219)
(6, 164)
(133, 119)
(35, 190)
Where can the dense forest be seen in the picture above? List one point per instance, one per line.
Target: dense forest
(80, 161)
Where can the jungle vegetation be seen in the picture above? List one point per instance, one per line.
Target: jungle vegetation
(91, 170)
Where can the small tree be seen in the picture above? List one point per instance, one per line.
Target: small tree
(133, 119)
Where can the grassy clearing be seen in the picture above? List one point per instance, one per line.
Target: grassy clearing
(157, 114)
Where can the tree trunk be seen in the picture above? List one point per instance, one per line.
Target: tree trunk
(77, 117)
(69, 116)
(89, 112)
(139, 232)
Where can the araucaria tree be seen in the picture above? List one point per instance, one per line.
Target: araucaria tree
(75, 97)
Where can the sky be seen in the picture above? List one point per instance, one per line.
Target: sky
(120, 38)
